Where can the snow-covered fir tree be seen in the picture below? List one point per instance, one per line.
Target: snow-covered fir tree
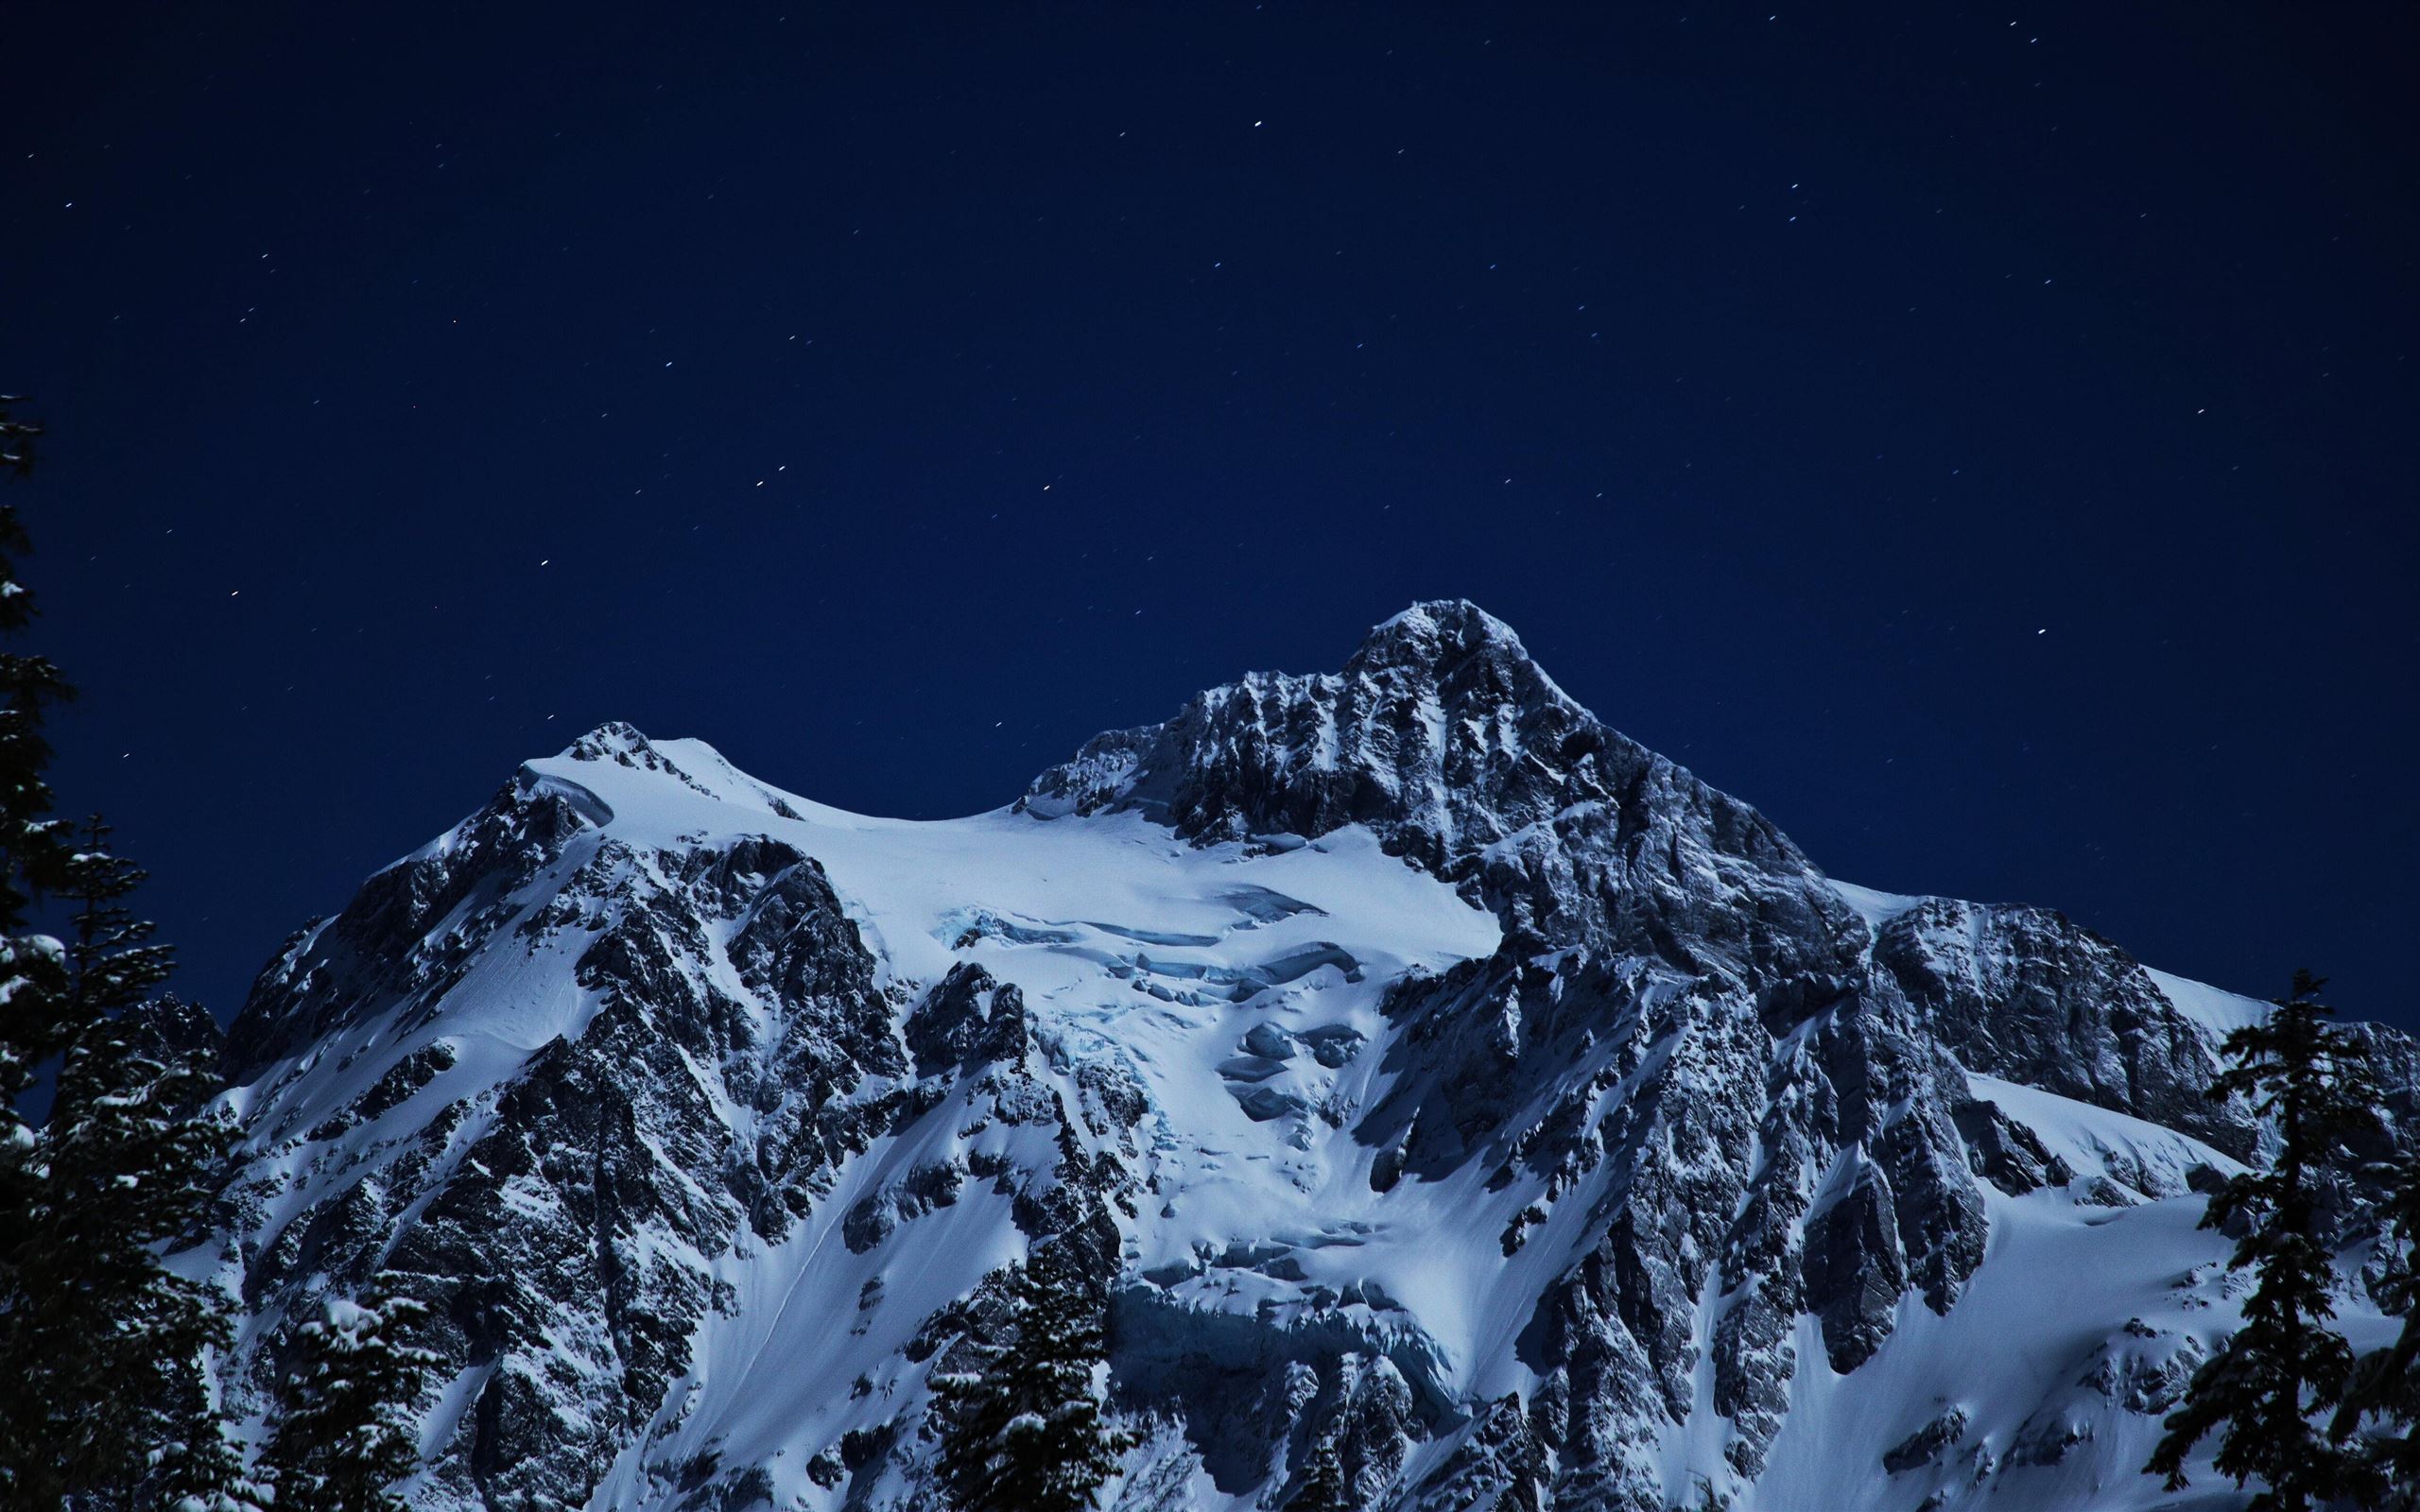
(35, 1013)
(1022, 1431)
(344, 1441)
(102, 1400)
(2380, 1417)
(33, 978)
(2265, 1386)
(106, 1347)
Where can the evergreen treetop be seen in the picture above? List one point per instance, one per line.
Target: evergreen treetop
(344, 1443)
(2385, 1385)
(1025, 1431)
(104, 1346)
(2266, 1383)
(104, 1399)
(31, 845)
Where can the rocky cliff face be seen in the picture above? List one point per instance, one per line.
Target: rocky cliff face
(1462, 1105)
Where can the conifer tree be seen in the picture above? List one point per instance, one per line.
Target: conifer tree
(1322, 1488)
(2285, 1366)
(106, 1346)
(102, 1402)
(1024, 1432)
(2385, 1388)
(33, 1006)
(344, 1441)
(197, 1467)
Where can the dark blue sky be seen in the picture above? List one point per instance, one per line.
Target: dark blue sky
(1982, 438)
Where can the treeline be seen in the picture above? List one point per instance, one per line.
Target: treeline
(108, 1397)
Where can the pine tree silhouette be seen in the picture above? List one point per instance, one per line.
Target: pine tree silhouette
(34, 985)
(2284, 1367)
(105, 1346)
(2386, 1382)
(344, 1440)
(103, 1399)
(1024, 1431)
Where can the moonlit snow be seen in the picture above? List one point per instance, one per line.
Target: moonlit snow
(1410, 1132)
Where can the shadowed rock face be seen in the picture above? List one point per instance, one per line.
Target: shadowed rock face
(1440, 733)
(386, 944)
(1741, 1105)
(2023, 994)
(560, 1221)
(1440, 729)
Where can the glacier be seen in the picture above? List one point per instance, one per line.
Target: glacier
(1435, 1079)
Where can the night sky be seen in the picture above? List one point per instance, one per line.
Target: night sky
(1982, 438)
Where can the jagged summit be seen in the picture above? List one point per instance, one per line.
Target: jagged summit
(614, 737)
(1439, 634)
(1454, 643)
(1441, 733)
(1440, 729)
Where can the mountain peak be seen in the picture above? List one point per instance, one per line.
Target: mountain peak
(1437, 636)
(1451, 643)
(1441, 622)
(614, 738)
(1440, 733)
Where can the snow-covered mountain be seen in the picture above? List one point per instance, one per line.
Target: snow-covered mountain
(1444, 1084)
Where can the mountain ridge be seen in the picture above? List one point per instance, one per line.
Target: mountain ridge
(1438, 1082)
